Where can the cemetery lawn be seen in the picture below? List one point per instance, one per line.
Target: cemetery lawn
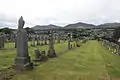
(91, 61)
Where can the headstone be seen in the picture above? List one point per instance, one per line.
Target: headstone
(15, 42)
(58, 38)
(51, 51)
(38, 40)
(43, 56)
(77, 42)
(45, 40)
(1, 42)
(37, 55)
(69, 40)
(74, 45)
(42, 40)
(22, 60)
(33, 41)
(71, 46)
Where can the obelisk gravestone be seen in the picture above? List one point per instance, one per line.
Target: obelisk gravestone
(22, 60)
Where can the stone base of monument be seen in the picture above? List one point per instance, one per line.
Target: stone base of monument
(23, 63)
(51, 53)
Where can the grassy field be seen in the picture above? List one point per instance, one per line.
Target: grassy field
(91, 61)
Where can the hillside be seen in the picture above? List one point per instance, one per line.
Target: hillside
(40, 27)
(80, 25)
(109, 25)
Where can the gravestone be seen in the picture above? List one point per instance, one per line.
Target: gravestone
(45, 40)
(69, 40)
(22, 60)
(38, 40)
(51, 51)
(42, 39)
(1, 42)
(33, 41)
(43, 56)
(71, 46)
(74, 45)
(58, 38)
(15, 42)
(37, 54)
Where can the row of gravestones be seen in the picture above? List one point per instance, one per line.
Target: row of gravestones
(41, 56)
(111, 46)
(43, 39)
(36, 40)
(39, 40)
(77, 41)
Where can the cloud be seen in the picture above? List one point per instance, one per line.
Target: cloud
(59, 12)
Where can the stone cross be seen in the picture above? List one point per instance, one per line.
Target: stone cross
(51, 51)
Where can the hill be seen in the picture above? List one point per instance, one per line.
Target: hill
(80, 25)
(40, 27)
(109, 25)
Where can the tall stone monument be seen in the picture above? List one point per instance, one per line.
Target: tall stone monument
(51, 51)
(22, 60)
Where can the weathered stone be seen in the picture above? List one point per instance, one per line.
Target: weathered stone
(15, 43)
(43, 56)
(74, 45)
(38, 41)
(58, 38)
(51, 51)
(37, 55)
(69, 44)
(1, 42)
(42, 39)
(33, 41)
(22, 60)
(45, 40)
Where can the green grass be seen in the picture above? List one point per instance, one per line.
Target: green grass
(91, 61)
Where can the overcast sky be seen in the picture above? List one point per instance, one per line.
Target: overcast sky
(59, 12)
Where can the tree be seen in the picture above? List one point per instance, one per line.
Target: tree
(29, 30)
(116, 33)
(6, 30)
